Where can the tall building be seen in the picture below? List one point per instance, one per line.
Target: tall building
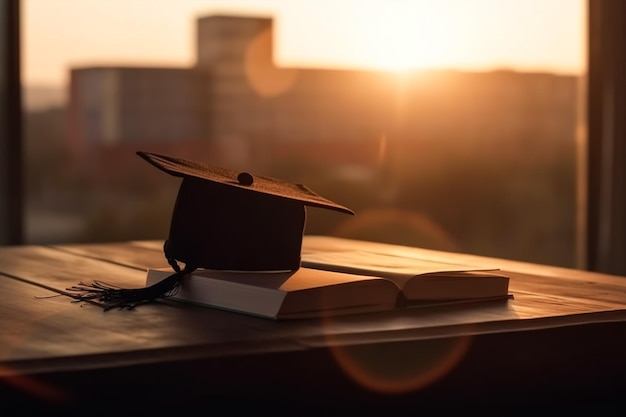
(252, 98)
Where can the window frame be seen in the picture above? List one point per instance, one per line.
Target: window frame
(604, 181)
(11, 165)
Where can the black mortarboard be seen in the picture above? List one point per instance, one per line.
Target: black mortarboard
(224, 220)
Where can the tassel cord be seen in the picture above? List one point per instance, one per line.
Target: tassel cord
(128, 298)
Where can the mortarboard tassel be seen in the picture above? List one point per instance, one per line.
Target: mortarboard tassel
(110, 296)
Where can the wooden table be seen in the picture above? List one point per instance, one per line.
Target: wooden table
(559, 345)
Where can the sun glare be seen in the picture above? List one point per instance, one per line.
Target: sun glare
(401, 39)
(426, 34)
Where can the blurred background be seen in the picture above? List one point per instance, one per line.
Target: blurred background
(445, 124)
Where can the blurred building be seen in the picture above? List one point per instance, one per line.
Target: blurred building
(113, 105)
(235, 93)
(235, 99)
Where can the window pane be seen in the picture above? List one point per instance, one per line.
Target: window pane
(444, 124)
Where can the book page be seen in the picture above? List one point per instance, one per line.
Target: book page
(398, 268)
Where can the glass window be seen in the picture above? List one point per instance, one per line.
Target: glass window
(449, 125)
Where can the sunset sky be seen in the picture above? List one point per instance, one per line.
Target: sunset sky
(527, 35)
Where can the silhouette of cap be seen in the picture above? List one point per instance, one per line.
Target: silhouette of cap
(228, 220)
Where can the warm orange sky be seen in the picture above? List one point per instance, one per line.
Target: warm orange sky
(534, 35)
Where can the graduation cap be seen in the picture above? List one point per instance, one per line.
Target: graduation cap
(222, 220)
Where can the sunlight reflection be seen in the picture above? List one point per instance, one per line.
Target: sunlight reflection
(382, 151)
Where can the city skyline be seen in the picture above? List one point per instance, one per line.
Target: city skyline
(310, 34)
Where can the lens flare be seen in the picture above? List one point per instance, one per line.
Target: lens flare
(263, 76)
(33, 387)
(396, 368)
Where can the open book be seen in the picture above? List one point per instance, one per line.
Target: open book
(328, 284)
(421, 280)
